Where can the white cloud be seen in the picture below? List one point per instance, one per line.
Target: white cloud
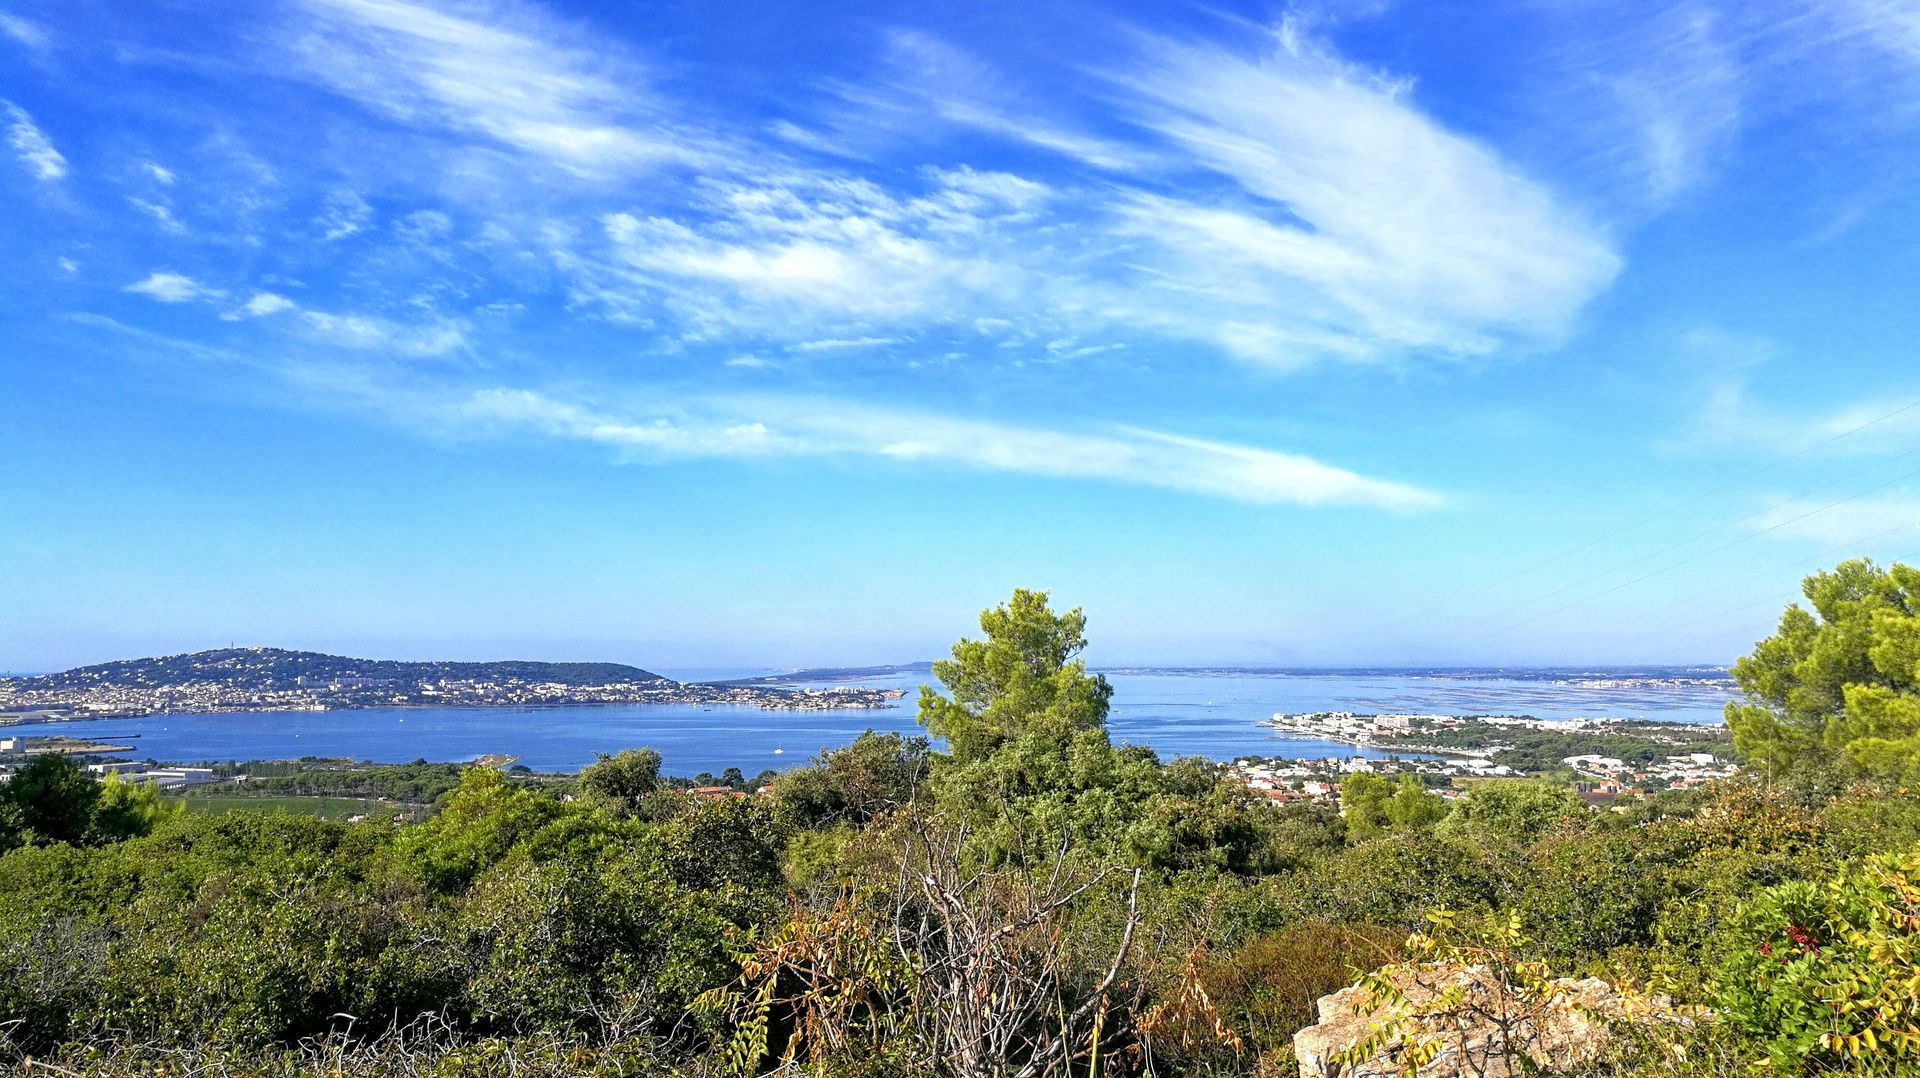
(169, 287)
(930, 79)
(837, 344)
(1364, 228)
(26, 32)
(31, 144)
(159, 172)
(261, 305)
(161, 214)
(749, 362)
(1349, 226)
(502, 72)
(361, 332)
(1729, 418)
(793, 257)
(1643, 104)
(814, 427)
(344, 214)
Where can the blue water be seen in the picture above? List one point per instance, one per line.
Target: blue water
(1208, 714)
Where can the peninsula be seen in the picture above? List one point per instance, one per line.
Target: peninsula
(273, 679)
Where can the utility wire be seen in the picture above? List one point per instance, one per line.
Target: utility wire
(1795, 597)
(1817, 559)
(1705, 553)
(1668, 549)
(1844, 548)
(1630, 526)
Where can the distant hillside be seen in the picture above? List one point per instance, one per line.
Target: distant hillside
(276, 668)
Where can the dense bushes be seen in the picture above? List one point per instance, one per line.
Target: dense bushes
(510, 910)
(1824, 971)
(1038, 900)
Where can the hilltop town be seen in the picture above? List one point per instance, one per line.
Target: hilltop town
(271, 679)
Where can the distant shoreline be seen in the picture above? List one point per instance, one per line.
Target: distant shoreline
(11, 719)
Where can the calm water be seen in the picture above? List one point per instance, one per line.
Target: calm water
(1178, 713)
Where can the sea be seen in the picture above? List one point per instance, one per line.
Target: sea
(1215, 712)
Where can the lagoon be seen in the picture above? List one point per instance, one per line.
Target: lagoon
(1179, 712)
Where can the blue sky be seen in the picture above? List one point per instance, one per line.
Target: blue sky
(761, 333)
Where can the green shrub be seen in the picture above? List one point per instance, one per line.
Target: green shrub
(1823, 974)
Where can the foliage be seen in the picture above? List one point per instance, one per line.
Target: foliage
(853, 784)
(620, 783)
(52, 800)
(1836, 685)
(1035, 900)
(1511, 811)
(1024, 681)
(1371, 805)
(1823, 972)
(1257, 995)
(418, 783)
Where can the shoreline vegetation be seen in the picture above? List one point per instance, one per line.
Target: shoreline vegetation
(1013, 895)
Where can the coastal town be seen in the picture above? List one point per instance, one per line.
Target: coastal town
(1448, 752)
(68, 697)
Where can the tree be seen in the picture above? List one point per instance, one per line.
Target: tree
(1836, 685)
(619, 783)
(1517, 811)
(1413, 808)
(856, 782)
(53, 800)
(1024, 678)
(129, 809)
(1363, 804)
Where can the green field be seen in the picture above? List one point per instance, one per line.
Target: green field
(332, 808)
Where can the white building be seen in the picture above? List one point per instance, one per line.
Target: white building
(169, 777)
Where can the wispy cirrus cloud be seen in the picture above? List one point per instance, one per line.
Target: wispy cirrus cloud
(1265, 201)
(429, 336)
(1729, 417)
(926, 78)
(659, 425)
(25, 31)
(1353, 226)
(261, 305)
(506, 73)
(785, 427)
(433, 337)
(1646, 104)
(31, 145)
(1364, 227)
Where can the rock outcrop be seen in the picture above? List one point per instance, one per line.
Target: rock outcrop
(1473, 1025)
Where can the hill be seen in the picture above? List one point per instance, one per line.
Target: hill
(277, 668)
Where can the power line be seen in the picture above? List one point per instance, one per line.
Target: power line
(1844, 548)
(1794, 597)
(1705, 553)
(1630, 526)
(1821, 558)
(1689, 541)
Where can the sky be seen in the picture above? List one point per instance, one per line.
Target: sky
(763, 334)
